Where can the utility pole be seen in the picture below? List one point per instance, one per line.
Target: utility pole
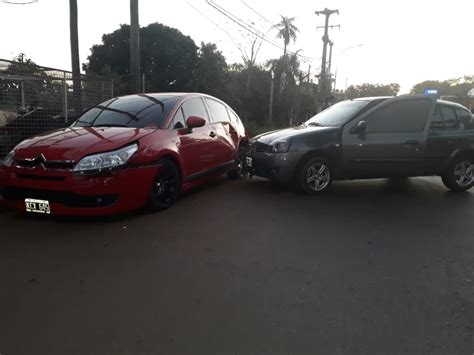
(134, 47)
(309, 78)
(270, 108)
(75, 62)
(331, 43)
(323, 76)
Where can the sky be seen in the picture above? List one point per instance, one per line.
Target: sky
(402, 41)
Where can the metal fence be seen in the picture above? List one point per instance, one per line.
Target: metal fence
(36, 99)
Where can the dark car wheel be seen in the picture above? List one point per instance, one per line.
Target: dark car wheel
(166, 186)
(459, 175)
(313, 176)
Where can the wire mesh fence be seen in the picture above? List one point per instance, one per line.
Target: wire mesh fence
(36, 99)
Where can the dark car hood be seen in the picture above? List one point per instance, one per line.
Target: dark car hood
(72, 144)
(283, 134)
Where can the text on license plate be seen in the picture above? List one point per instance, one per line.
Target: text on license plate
(249, 161)
(37, 206)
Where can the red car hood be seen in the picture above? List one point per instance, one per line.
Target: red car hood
(74, 143)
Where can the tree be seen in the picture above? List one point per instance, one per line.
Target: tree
(211, 72)
(366, 90)
(287, 31)
(453, 89)
(27, 84)
(75, 62)
(286, 93)
(249, 57)
(168, 58)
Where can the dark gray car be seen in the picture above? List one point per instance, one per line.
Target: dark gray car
(364, 138)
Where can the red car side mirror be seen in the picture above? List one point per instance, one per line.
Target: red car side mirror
(195, 122)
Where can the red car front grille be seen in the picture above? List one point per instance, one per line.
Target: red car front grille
(40, 177)
(53, 165)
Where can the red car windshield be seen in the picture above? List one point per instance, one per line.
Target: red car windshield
(136, 111)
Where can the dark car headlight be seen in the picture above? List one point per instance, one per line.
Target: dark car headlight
(106, 161)
(281, 146)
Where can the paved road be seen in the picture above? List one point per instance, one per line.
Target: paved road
(246, 267)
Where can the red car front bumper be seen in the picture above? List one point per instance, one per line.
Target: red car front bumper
(71, 194)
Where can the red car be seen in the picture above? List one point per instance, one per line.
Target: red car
(124, 154)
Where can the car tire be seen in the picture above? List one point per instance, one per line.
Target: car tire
(313, 176)
(460, 173)
(165, 187)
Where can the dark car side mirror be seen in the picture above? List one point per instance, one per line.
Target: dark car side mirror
(359, 128)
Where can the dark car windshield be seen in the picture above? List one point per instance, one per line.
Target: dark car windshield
(136, 111)
(337, 114)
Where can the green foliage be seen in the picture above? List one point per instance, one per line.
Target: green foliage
(457, 87)
(211, 72)
(452, 89)
(367, 90)
(168, 58)
(254, 129)
(38, 90)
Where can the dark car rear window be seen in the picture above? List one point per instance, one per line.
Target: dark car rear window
(136, 111)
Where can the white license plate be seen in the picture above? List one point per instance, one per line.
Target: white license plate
(249, 161)
(37, 206)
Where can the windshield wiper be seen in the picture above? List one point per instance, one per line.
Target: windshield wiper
(110, 125)
(105, 108)
(316, 124)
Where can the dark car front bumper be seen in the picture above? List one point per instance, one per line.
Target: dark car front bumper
(275, 166)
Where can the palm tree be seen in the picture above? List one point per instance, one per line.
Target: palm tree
(76, 70)
(287, 31)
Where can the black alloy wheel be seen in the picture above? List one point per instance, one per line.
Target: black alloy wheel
(166, 186)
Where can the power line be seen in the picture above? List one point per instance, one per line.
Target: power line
(234, 41)
(234, 18)
(256, 12)
(19, 2)
(237, 43)
(251, 29)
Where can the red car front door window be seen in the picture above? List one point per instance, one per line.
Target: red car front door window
(226, 145)
(198, 148)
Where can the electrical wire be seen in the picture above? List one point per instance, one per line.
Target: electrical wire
(251, 29)
(234, 41)
(256, 12)
(19, 3)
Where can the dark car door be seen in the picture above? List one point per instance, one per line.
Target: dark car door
(443, 138)
(225, 143)
(198, 148)
(393, 142)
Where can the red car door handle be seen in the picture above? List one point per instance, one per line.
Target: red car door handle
(212, 135)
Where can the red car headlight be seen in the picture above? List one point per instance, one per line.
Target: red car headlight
(106, 161)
